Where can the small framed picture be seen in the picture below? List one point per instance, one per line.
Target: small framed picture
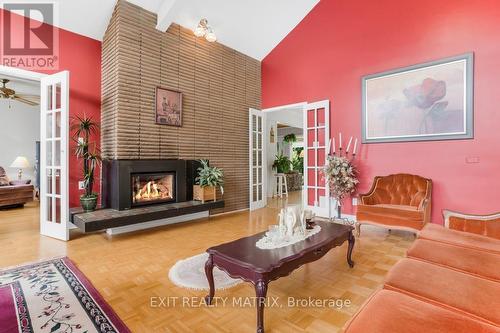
(168, 107)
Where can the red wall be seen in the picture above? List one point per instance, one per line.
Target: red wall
(81, 56)
(340, 41)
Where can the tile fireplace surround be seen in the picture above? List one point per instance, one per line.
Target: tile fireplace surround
(118, 178)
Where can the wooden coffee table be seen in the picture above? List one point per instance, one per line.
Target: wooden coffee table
(242, 259)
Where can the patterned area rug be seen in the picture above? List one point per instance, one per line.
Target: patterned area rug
(190, 273)
(54, 297)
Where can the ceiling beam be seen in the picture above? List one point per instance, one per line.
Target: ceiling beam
(165, 15)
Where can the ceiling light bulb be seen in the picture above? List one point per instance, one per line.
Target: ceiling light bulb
(210, 36)
(200, 31)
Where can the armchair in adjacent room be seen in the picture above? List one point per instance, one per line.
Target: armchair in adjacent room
(399, 201)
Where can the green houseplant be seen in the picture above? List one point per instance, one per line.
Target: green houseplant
(282, 163)
(86, 151)
(209, 178)
(290, 138)
(298, 160)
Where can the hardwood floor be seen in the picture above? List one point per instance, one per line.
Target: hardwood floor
(130, 269)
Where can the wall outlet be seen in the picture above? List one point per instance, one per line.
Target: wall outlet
(354, 201)
(81, 185)
(472, 159)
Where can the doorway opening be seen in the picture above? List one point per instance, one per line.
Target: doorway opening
(19, 153)
(51, 178)
(285, 155)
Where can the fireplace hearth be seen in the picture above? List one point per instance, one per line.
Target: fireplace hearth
(141, 194)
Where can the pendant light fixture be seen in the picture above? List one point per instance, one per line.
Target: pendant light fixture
(204, 30)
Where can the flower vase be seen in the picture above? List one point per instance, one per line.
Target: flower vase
(339, 210)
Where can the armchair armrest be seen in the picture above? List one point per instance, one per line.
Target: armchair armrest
(486, 225)
(365, 197)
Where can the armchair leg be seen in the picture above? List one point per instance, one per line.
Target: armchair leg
(358, 229)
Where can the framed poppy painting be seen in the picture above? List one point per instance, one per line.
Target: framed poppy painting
(430, 101)
(168, 107)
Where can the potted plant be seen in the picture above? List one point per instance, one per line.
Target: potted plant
(290, 138)
(282, 163)
(83, 128)
(209, 178)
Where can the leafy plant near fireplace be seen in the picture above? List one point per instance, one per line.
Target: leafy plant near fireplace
(209, 178)
(83, 127)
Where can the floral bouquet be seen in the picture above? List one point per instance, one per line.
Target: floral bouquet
(341, 176)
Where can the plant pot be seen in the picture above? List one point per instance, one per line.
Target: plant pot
(207, 193)
(88, 203)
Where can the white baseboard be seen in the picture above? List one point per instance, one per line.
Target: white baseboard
(156, 223)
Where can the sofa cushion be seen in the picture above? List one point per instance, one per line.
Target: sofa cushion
(392, 312)
(447, 288)
(440, 234)
(472, 261)
(397, 215)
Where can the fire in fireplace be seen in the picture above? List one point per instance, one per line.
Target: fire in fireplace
(150, 188)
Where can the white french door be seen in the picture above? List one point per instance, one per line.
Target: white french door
(258, 158)
(54, 134)
(316, 194)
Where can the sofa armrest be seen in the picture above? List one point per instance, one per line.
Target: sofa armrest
(486, 225)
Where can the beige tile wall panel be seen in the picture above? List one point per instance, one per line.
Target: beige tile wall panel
(218, 86)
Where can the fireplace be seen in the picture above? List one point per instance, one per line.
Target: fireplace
(131, 183)
(149, 188)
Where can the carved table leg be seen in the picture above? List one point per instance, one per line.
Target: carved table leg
(260, 292)
(209, 268)
(349, 250)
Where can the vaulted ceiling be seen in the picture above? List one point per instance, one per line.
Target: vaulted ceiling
(253, 27)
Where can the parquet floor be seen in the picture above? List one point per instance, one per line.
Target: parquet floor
(131, 270)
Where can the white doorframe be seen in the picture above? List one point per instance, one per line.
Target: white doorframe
(257, 158)
(21, 73)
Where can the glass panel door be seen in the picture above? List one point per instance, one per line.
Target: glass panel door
(257, 143)
(54, 159)
(317, 132)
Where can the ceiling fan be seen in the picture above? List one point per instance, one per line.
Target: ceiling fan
(10, 94)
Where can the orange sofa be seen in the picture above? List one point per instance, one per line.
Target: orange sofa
(399, 201)
(449, 282)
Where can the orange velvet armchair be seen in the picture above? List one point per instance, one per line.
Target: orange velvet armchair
(400, 201)
(486, 225)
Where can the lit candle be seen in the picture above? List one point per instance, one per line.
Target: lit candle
(348, 145)
(333, 145)
(340, 140)
(355, 145)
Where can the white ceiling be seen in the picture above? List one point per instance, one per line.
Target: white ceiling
(253, 27)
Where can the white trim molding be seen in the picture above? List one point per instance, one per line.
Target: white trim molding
(21, 73)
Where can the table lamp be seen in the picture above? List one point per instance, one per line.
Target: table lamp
(21, 163)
